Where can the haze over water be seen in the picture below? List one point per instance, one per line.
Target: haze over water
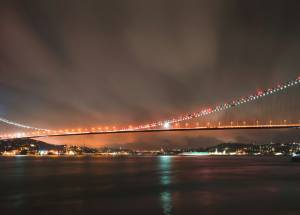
(149, 185)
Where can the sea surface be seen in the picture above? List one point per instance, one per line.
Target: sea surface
(149, 185)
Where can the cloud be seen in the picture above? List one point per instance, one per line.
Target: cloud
(75, 63)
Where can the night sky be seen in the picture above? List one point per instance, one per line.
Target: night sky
(72, 63)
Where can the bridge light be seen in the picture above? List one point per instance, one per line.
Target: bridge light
(166, 125)
(207, 111)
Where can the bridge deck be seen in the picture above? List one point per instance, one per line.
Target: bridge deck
(249, 127)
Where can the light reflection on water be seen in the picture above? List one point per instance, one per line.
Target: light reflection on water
(18, 199)
(149, 185)
(165, 163)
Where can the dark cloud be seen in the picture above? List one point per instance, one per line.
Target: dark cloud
(68, 63)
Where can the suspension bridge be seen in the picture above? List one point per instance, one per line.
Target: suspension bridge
(176, 124)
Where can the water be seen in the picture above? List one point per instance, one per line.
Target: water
(149, 185)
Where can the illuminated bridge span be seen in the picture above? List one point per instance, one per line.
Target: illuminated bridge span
(175, 129)
(174, 124)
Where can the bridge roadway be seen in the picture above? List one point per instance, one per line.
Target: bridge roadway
(174, 129)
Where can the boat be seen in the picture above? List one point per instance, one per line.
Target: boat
(296, 157)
